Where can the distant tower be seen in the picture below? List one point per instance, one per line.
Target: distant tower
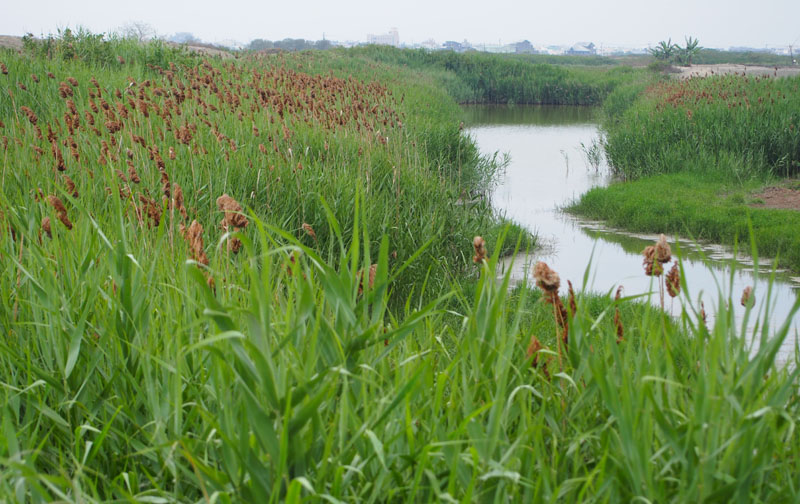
(395, 37)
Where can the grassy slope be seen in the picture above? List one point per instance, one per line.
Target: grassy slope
(126, 376)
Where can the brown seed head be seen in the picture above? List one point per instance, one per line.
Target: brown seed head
(479, 244)
(617, 318)
(309, 230)
(748, 299)
(373, 269)
(70, 186)
(46, 227)
(547, 279)
(651, 266)
(61, 211)
(674, 281)
(573, 306)
(194, 237)
(233, 212)
(663, 251)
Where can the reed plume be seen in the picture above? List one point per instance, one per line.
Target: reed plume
(748, 298)
(373, 269)
(479, 244)
(194, 237)
(310, 231)
(46, 227)
(674, 281)
(546, 279)
(617, 318)
(234, 219)
(549, 281)
(61, 211)
(534, 347)
(70, 186)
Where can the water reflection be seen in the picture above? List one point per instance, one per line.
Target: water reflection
(549, 168)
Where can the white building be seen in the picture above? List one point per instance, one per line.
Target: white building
(392, 38)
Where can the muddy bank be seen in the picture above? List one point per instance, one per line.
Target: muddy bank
(784, 196)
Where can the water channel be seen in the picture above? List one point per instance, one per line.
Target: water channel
(548, 168)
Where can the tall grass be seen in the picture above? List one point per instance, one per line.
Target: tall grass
(493, 78)
(715, 122)
(127, 377)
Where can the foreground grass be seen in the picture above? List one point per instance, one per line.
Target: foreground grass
(284, 383)
(700, 206)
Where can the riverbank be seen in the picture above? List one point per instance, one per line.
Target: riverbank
(702, 207)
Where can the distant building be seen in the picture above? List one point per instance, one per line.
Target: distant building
(392, 38)
(583, 49)
(524, 47)
(429, 44)
(452, 45)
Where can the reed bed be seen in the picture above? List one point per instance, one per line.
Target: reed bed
(740, 125)
(511, 79)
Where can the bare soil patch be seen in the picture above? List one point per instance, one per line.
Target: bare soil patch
(726, 69)
(786, 196)
(9, 42)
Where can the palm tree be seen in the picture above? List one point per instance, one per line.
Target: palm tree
(664, 50)
(691, 50)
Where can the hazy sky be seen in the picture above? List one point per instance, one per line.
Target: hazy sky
(717, 23)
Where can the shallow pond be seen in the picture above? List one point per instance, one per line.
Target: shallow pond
(549, 167)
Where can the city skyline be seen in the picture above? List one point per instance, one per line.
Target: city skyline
(622, 23)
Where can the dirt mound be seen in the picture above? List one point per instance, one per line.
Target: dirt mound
(10, 42)
(780, 197)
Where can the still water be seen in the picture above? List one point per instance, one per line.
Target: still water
(548, 168)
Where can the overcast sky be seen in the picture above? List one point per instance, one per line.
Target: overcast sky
(717, 23)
